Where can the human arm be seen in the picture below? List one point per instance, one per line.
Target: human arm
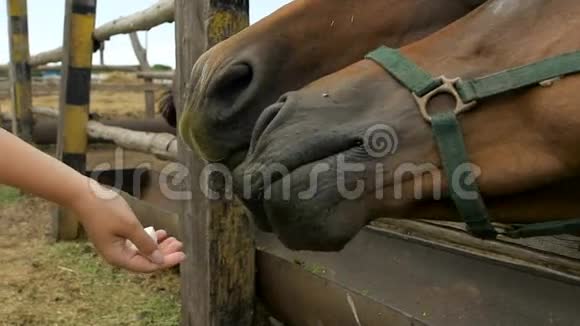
(108, 220)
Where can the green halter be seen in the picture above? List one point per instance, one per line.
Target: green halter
(449, 138)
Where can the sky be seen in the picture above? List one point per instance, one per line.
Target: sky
(45, 19)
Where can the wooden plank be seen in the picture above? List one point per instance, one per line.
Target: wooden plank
(218, 276)
(297, 296)
(505, 252)
(20, 76)
(562, 245)
(155, 15)
(74, 100)
(433, 283)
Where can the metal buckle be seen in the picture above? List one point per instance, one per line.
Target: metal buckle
(447, 86)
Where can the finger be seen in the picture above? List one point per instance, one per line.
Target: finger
(140, 264)
(166, 242)
(144, 243)
(174, 259)
(174, 246)
(161, 235)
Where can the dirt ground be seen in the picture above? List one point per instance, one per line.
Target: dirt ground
(42, 283)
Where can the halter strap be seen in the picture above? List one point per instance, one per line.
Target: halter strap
(420, 82)
(405, 71)
(462, 183)
(520, 77)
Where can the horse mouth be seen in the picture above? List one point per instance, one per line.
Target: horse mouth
(254, 177)
(302, 211)
(235, 158)
(289, 179)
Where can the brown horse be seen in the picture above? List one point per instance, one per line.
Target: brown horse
(297, 44)
(519, 141)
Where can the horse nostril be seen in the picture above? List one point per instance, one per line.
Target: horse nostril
(229, 86)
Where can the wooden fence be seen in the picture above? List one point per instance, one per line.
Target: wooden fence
(215, 291)
(160, 13)
(73, 115)
(409, 274)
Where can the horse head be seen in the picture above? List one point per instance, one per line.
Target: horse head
(353, 146)
(236, 80)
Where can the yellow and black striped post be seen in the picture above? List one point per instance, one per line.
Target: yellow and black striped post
(22, 122)
(75, 98)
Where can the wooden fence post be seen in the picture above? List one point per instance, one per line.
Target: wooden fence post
(141, 55)
(75, 99)
(20, 76)
(102, 53)
(218, 276)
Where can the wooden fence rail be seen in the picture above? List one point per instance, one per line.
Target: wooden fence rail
(161, 12)
(161, 75)
(96, 68)
(162, 145)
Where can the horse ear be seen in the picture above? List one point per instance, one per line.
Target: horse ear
(166, 107)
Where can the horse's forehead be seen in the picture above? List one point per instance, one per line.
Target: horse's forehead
(505, 7)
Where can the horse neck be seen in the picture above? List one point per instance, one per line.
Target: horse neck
(347, 29)
(500, 34)
(524, 140)
(397, 23)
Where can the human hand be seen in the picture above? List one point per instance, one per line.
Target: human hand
(109, 222)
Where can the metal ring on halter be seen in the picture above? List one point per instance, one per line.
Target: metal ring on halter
(447, 87)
